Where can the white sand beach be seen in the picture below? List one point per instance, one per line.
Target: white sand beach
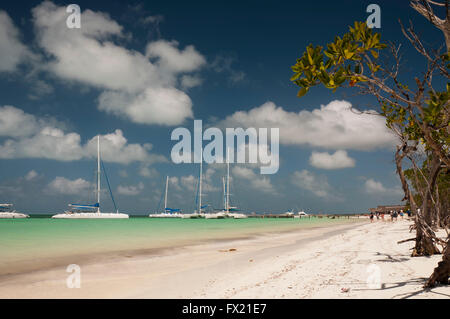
(326, 262)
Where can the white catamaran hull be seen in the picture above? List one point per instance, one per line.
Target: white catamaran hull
(90, 216)
(13, 215)
(194, 215)
(220, 215)
(164, 215)
(238, 215)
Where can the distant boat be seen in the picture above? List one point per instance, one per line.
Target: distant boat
(198, 213)
(81, 211)
(228, 211)
(8, 211)
(168, 212)
(301, 214)
(289, 213)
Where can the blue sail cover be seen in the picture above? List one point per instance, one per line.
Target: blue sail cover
(96, 205)
(231, 209)
(173, 210)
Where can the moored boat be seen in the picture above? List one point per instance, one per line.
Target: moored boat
(8, 211)
(80, 211)
(168, 212)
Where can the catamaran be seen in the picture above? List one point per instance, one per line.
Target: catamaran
(8, 211)
(199, 213)
(168, 212)
(228, 211)
(301, 214)
(81, 211)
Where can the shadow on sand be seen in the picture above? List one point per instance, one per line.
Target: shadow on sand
(406, 295)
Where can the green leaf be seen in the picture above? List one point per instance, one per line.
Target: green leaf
(302, 92)
(295, 76)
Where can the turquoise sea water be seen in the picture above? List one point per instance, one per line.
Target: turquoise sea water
(25, 239)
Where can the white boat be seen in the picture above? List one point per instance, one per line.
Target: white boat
(77, 211)
(166, 215)
(218, 215)
(73, 214)
(301, 214)
(238, 215)
(199, 213)
(168, 212)
(8, 211)
(194, 215)
(289, 213)
(228, 211)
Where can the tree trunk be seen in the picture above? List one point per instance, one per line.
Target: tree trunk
(447, 39)
(441, 273)
(428, 209)
(399, 156)
(425, 245)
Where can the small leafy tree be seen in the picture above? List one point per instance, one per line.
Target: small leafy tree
(418, 115)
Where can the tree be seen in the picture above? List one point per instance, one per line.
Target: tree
(418, 115)
(441, 201)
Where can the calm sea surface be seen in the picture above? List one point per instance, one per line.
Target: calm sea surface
(22, 239)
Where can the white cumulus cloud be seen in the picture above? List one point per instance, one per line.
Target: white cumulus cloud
(12, 51)
(62, 185)
(372, 186)
(16, 123)
(339, 159)
(141, 88)
(167, 106)
(317, 185)
(130, 190)
(34, 137)
(31, 175)
(256, 181)
(170, 58)
(332, 126)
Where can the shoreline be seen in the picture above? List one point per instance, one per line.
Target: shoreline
(317, 263)
(37, 263)
(56, 266)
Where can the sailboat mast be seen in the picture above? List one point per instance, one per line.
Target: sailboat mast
(228, 182)
(200, 184)
(165, 195)
(98, 173)
(224, 193)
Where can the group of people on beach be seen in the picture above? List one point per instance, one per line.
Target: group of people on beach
(392, 213)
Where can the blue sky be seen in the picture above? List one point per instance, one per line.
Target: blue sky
(137, 70)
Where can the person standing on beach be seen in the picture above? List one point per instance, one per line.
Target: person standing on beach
(371, 217)
(394, 215)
